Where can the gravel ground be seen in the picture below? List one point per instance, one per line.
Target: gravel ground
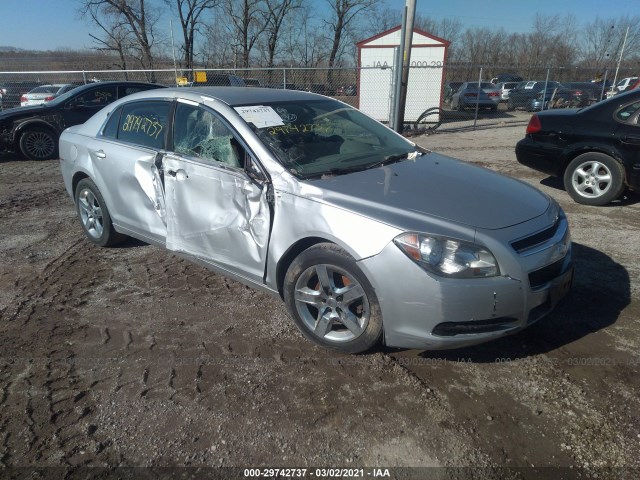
(133, 357)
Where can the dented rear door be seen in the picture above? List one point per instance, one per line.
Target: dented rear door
(218, 214)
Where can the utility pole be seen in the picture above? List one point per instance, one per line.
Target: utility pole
(407, 37)
(624, 43)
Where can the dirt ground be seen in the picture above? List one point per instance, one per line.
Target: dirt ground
(133, 357)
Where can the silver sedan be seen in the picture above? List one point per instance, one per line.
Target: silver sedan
(366, 237)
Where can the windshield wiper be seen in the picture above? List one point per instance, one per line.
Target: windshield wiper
(389, 159)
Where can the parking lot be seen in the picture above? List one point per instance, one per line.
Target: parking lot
(131, 356)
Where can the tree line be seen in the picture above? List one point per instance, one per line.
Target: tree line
(314, 33)
(323, 33)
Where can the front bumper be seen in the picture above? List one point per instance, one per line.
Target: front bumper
(429, 312)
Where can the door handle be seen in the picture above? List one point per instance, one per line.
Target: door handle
(179, 174)
(101, 154)
(632, 139)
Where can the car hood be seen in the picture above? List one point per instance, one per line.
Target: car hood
(433, 185)
(19, 112)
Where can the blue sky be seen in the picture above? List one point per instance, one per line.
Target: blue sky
(53, 24)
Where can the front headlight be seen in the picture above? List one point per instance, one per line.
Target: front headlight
(448, 257)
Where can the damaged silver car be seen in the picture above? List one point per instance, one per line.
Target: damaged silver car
(366, 237)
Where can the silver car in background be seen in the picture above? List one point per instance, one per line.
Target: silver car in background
(366, 237)
(45, 93)
(470, 95)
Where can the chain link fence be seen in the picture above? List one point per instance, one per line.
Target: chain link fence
(370, 89)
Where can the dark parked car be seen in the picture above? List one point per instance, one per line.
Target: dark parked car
(519, 97)
(347, 90)
(506, 77)
(587, 93)
(34, 131)
(594, 149)
(449, 89)
(559, 97)
(320, 88)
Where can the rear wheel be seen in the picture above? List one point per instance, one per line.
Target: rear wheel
(331, 300)
(94, 215)
(39, 144)
(594, 179)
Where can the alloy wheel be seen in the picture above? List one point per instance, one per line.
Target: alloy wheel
(332, 304)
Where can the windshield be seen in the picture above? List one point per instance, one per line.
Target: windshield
(320, 137)
(64, 97)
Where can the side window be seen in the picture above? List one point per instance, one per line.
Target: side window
(199, 133)
(97, 97)
(626, 112)
(111, 128)
(128, 90)
(144, 123)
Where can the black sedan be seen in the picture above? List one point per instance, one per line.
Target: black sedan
(596, 150)
(34, 131)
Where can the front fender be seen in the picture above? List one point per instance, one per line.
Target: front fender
(22, 125)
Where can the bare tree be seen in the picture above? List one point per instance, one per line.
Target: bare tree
(115, 37)
(301, 41)
(191, 14)
(343, 13)
(603, 39)
(138, 18)
(247, 24)
(275, 15)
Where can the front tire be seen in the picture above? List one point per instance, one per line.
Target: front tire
(94, 215)
(594, 178)
(331, 300)
(39, 144)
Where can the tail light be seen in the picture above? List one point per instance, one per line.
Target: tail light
(23, 98)
(534, 125)
(49, 98)
(493, 94)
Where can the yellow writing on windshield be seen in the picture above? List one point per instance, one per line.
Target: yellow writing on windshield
(301, 128)
(137, 123)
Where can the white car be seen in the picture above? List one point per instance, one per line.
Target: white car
(45, 93)
(505, 88)
(624, 83)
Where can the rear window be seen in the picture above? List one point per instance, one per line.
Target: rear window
(627, 111)
(143, 123)
(45, 89)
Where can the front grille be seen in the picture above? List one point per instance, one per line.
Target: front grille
(450, 329)
(538, 278)
(539, 238)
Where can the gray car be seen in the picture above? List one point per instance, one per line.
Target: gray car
(469, 95)
(366, 237)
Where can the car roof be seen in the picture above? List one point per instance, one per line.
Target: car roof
(232, 96)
